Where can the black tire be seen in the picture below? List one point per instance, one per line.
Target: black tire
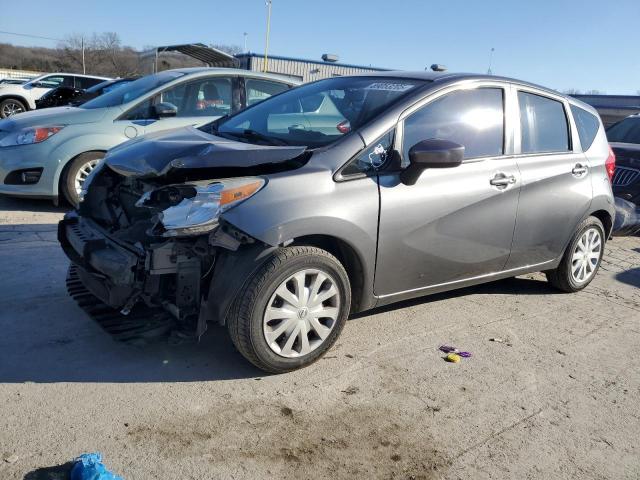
(11, 104)
(245, 322)
(561, 278)
(68, 177)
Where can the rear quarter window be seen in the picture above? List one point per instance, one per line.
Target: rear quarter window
(587, 124)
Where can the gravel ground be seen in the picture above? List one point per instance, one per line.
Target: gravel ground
(559, 398)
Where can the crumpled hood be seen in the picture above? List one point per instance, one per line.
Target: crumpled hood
(182, 148)
(52, 116)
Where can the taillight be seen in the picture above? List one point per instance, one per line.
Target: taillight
(610, 164)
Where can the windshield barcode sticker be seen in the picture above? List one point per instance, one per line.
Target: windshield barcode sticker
(388, 86)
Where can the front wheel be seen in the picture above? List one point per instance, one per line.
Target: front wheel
(292, 309)
(582, 258)
(10, 107)
(76, 172)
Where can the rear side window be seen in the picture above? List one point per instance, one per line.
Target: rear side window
(543, 124)
(84, 82)
(473, 118)
(258, 90)
(587, 124)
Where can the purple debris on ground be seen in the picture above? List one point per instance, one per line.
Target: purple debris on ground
(450, 349)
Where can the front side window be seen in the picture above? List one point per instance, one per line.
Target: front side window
(258, 90)
(318, 113)
(472, 118)
(202, 98)
(53, 81)
(543, 124)
(587, 124)
(142, 111)
(626, 131)
(373, 158)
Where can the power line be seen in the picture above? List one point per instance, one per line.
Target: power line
(32, 36)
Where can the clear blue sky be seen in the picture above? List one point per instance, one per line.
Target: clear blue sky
(582, 44)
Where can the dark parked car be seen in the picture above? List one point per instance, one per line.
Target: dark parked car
(58, 97)
(62, 96)
(339, 196)
(624, 138)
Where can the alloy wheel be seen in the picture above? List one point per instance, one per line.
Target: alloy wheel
(82, 174)
(586, 255)
(301, 313)
(11, 108)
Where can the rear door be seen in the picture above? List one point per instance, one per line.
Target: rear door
(556, 184)
(454, 223)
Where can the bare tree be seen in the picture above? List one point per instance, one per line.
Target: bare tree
(230, 49)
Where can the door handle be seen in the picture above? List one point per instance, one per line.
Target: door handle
(579, 170)
(502, 180)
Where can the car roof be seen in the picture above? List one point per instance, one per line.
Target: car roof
(197, 71)
(453, 76)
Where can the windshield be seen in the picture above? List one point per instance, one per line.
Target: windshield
(627, 131)
(133, 90)
(316, 114)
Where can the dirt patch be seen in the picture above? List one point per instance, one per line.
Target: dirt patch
(338, 441)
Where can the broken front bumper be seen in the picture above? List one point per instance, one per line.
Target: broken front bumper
(107, 269)
(121, 274)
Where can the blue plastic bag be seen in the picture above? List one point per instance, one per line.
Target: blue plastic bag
(88, 466)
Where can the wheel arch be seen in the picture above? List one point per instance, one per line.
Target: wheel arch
(350, 260)
(606, 219)
(15, 96)
(62, 172)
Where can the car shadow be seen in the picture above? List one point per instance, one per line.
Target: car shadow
(13, 204)
(630, 277)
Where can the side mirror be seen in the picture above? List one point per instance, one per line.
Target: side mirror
(432, 153)
(165, 110)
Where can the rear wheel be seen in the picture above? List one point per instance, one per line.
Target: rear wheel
(11, 106)
(292, 310)
(582, 258)
(76, 172)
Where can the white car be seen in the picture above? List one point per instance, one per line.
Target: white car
(20, 98)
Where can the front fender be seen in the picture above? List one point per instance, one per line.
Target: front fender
(66, 151)
(27, 102)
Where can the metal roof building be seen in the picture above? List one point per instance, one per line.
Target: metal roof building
(300, 69)
(297, 68)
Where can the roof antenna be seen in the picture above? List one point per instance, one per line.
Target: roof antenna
(436, 67)
(489, 72)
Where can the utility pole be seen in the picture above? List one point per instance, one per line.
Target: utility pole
(489, 72)
(245, 41)
(266, 47)
(84, 68)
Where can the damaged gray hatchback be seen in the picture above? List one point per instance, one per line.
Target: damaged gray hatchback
(339, 196)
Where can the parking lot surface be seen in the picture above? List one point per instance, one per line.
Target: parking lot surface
(558, 397)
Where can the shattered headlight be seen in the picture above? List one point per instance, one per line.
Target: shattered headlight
(193, 209)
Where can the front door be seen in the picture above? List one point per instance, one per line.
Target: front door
(454, 223)
(197, 102)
